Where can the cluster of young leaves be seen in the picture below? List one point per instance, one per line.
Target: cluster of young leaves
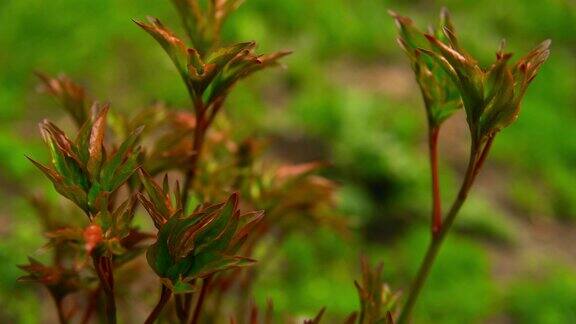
(491, 96)
(294, 197)
(194, 246)
(83, 171)
(209, 71)
(87, 171)
(441, 98)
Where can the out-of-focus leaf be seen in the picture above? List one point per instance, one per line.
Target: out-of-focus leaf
(376, 300)
(317, 319)
(69, 94)
(59, 281)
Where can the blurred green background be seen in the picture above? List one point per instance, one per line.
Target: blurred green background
(346, 96)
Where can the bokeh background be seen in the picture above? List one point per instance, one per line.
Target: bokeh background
(347, 96)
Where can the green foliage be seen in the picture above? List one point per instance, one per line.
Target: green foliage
(300, 279)
(463, 270)
(543, 298)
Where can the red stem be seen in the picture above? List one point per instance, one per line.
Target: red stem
(187, 304)
(436, 222)
(181, 310)
(216, 106)
(200, 302)
(165, 295)
(483, 155)
(437, 240)
(58, 300)
(199, 135)
(183, 307)
(203, 122)
(103, 266)
(91, 305)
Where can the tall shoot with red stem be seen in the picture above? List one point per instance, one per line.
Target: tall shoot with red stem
(449, 78)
